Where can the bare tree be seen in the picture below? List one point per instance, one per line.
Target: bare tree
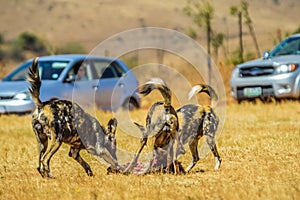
(202, 14)
(235, 11)
(217, 42)
(248, 22)
(243, 15)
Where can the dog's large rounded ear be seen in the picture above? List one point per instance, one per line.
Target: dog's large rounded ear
(112, 125)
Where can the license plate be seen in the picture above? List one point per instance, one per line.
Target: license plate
(252, 92)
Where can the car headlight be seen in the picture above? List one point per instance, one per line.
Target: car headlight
(235, 73)
(22, 96)
(286, 68)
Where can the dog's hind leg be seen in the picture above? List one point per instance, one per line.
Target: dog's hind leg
(42, 141)
(172, 156)
(193, 145)
(55, 144)
(213, 147)
(74, 153)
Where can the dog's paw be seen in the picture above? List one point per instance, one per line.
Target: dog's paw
(112, 170)
(218, 164)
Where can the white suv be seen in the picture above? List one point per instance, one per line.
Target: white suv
(276, 74)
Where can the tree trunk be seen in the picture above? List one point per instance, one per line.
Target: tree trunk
(241, 54)
(208, 48)
(253, 35)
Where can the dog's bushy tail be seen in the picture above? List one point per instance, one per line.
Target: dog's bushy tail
(203, 88)
(157, 83)
(33, 78)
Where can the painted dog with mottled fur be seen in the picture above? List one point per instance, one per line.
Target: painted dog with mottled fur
(61, 121)
(198, 121)
(163, 126)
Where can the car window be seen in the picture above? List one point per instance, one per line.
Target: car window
(19, 75)
(99, 67)
(103, 69)
(113, 71)
(79, 72)
(287, 47)
(109, 72)
(118, 69)
(51, 70)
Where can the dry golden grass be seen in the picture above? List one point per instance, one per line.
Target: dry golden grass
(259, 145)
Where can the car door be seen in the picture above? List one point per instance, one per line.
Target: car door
(83, 88)
(110, 86)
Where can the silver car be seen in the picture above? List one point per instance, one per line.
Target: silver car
(86, 80)
(276, 74)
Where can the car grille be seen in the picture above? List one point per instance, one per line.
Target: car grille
(5, 97)
(256, 71)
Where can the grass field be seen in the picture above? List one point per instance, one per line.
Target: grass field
(259, 146)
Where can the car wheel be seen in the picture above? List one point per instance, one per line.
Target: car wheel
(130, 104)
(239, 101)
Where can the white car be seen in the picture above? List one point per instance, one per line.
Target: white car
(108, 83)
(276, 74)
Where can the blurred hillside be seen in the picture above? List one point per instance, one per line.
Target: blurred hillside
(92, 21)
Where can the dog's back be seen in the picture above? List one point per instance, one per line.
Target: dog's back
(67, 122)
(196, 121)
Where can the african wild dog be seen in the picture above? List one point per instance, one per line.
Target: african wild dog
(62, 121)
(163, 125)
(198, 120)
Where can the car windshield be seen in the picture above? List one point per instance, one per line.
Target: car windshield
(49, 70)
(289, 46)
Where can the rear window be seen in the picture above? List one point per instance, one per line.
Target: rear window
(108, 69)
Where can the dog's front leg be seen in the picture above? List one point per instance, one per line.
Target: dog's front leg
(143, 142)
(74, 153)
(136, 157)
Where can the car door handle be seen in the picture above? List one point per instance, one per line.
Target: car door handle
(95, 87)
(121, 85)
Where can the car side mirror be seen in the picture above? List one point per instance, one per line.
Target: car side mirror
(266, 55)
(70, 79)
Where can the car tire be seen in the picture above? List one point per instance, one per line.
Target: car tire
(239, 101)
